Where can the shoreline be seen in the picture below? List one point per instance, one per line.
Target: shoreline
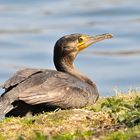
(116, 117)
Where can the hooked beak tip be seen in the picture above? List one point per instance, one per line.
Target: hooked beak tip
(107, 36)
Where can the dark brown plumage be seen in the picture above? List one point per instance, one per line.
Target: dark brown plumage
(37, 90)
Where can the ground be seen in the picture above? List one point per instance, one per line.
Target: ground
(111, 118)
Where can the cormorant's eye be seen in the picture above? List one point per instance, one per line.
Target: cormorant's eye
(80, 39)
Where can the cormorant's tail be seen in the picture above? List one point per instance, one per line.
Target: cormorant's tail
(5, 107)
(2, 115)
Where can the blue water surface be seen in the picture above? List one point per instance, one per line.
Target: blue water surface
(29, 29)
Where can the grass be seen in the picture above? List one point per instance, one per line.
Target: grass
(111, 118)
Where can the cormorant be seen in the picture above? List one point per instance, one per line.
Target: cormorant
(36, 90)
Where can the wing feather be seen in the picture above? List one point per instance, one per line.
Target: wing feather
(58, 89)
(19, 77)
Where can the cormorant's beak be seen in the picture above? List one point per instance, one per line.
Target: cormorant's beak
(89, 40)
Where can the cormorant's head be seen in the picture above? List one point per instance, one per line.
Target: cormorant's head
(67, 47)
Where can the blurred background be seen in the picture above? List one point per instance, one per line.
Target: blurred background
(30, 28)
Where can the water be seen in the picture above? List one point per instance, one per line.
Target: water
(29, 29)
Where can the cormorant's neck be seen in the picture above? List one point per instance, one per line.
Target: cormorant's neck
(66, 65)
